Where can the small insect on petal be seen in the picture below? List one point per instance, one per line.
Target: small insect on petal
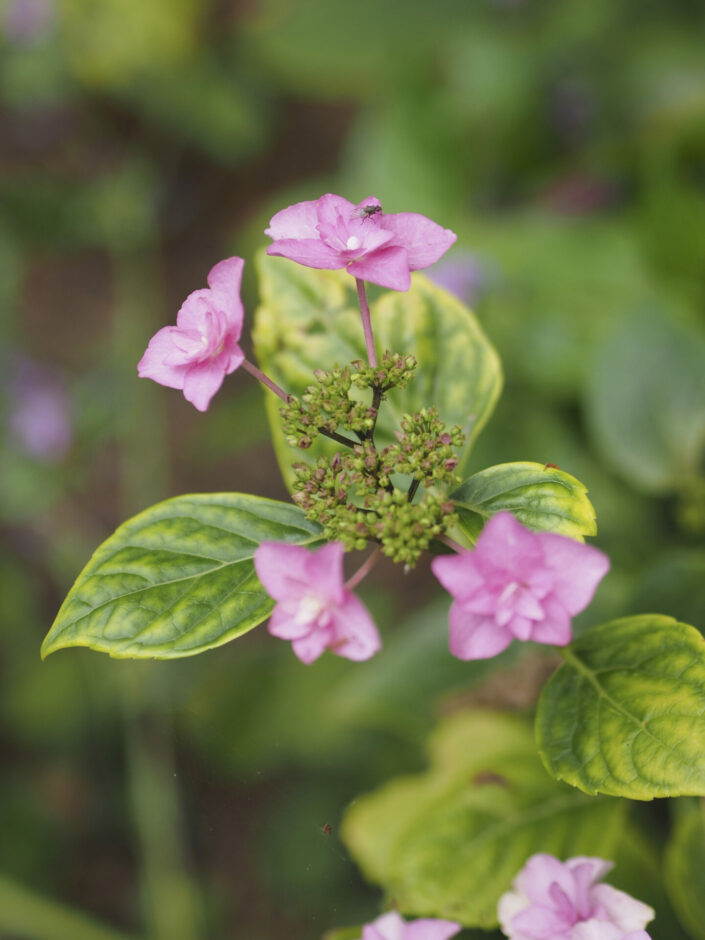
(365, 212)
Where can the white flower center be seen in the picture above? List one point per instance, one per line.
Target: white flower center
(309, 610)
(353, 243)
(510, 589)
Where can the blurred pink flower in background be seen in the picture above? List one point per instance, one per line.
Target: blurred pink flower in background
(197, 353)
(314, 608)
(518, 584)
(553, 900)
(332, 233)
(39, 410)
(463, 275)
(391, 926)
(27, 21)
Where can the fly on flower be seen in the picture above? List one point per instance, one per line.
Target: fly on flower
(366, 212)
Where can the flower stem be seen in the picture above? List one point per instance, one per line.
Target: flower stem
(364, 569)
(451, 543)
(265, 380)
(340, 438)
(366, 322)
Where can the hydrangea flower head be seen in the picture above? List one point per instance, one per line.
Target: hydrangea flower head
(197, 353)
(517, 584)
(314, 608)
(391, 926)
(553, 900)
(333, 233)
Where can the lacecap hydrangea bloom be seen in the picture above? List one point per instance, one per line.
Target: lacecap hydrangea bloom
(333, 233)
(197, 353)
(391, 926)
(553, 900)
(314, 608)
(517, 584)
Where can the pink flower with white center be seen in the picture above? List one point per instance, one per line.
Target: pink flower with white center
(197, 353)
(517, 584)
(332, 233)
(314, 608)
(393, 927)
(554, 900)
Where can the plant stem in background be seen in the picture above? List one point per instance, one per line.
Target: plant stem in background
(366, 322)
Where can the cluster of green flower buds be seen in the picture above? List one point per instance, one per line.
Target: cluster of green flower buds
(324, 407)
(393, 371)
(357, 495)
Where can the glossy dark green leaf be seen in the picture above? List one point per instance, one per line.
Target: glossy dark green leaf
(541, 497)
(625, 714)
(177, 579)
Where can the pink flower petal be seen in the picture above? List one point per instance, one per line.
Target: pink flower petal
(297, 221)
(281, 569)
(225, 280)
(389, 926)
(579, 568)
(505, 543)
(424, 241)
(154, 363)
(285, 624)
(387, 267)
(202, 381)
(624, 911)
(192, 313)
(330, 207)
(324, 569)
(431, 930)
(596, 930)
(355, 635)
(311, 252)
(310, 647)
(541, 923)
(555, 628)
(540, 872)
(457, 574)
(473, 636)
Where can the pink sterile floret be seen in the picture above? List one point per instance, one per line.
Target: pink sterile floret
(391, 926)
(197, 353)
(332, 233)
(314, 608)
(516, 584)
(553, 900)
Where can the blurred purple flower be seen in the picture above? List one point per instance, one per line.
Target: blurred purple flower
(391, 926)
(27, 21)
(39, 410)
(553, 900)
(463, 274)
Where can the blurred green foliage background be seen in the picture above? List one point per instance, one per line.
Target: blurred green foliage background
(140, 142)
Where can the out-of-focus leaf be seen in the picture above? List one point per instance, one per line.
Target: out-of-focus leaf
(177, 579)
(556, 284)
(110, 43)
(684, 867)
(449, 842)
(309, 319)
(625, 714)
(541, 497)
(675, 582)
(389, 698)
(646, 401)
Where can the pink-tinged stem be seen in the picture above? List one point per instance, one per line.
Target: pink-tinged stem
(451, 543)
(366, 322)
(364, 569)
(265, 380)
